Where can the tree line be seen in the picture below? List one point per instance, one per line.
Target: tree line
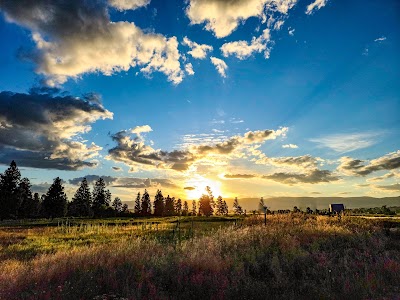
(18, 202)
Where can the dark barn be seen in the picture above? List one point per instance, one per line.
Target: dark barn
(336, 208)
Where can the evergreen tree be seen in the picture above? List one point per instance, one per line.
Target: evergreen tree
(117, 205)
(158, 204)
(237, 209)
(138, 207)
(82, 201)
(124, 208)
(194, 208)
(37, 205)
(219, 206)
(225, 208)
(28, 207)
(169, 206)
(185, 210)
(178, 207)
(9, 192)
(145, 204)
(101, 197)
(205, 203)
(55, 202)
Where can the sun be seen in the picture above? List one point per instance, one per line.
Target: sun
(196, 187)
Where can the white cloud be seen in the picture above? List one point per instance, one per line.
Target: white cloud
(220, 65)
(128, 4)
(197, 50)
(291, 31)
(243, 50)
(381, 39)
(278, 24)
(223, 17)
(141, 129)
(67, 48)
(189, 69)
(291, 146)
(316, 5)
(347, 142)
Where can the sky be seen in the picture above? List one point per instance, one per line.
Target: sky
(255, 98)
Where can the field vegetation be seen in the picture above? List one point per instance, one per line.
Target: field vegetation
(295, 256)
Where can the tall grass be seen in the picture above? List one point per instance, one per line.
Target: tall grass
(293, 257)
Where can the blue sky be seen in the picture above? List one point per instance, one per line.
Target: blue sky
(254, 98)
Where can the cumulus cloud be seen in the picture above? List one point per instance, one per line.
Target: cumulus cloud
(243, 49)
(189, 69)
(77, 37)
(291, 146)
(127, 182)
(220, 66)
(223, 17)
(41, 129)
(313, 177)
(128, 4)
(198, 51)
(347, 142)
(133, 151)
(357, 167)
(391, 187)
(316, 5)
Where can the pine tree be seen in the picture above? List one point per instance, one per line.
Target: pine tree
(185, 210)
(237, 209)
(138, 207)
(145, 204)
(124, 208)
(219, 206)
(178, 207)
(82, 201)
(169, 206)
(206, 203)
(158, 204)
(9, 192)
(101, 197)
(225, 210)
(117, 205)
(28, 207)
(194, 208)
(55, 202)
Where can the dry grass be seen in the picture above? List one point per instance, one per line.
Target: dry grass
(293, 257)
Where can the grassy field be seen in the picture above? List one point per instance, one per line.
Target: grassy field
(296, 256)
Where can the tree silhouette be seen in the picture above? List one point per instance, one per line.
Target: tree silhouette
(158, 204)
(237, 209)
(82, 201)
(137, 209)
(194, 208)
(224, 208)
(169, 206)
(205, 203)
(185, 210)
(178, 207)
(145, 204)
(9, 192)
(117, 205)
(101, 197)
(55, 202)
(28, 207)
(220, 206)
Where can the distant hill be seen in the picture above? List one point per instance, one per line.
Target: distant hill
(276, 203)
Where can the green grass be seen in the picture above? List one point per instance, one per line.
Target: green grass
(294, 257)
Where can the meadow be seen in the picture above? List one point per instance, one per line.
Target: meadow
(295, 256)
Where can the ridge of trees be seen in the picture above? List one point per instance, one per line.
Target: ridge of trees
(17, 201)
